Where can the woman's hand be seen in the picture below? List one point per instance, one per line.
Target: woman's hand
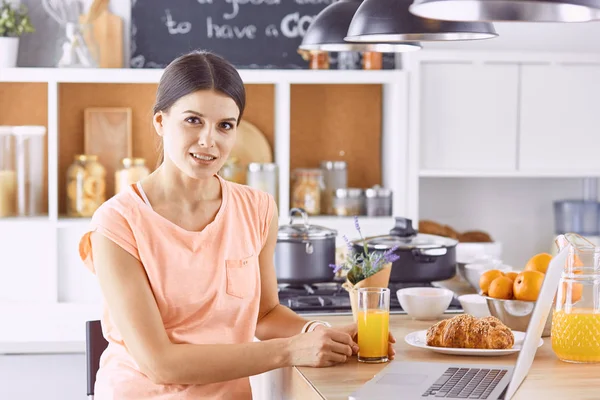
(323, 347)
(352, 330)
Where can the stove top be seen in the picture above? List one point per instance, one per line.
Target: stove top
(330, 297)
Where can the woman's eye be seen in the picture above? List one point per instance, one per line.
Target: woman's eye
(227, 126)
(193, 120)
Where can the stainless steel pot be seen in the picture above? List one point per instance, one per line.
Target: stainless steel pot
(304, 252)
(423, 257)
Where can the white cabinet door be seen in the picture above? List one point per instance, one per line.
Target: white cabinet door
(469, 116)
(560, 118)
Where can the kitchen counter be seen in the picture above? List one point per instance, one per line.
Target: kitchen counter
(548, 378)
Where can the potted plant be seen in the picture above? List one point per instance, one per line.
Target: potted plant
(14, 22)
(365, 268)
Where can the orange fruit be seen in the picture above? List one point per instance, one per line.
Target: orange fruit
(512, 275)
(527, 285)
(539, 262)
(501, 288)
(487, 277)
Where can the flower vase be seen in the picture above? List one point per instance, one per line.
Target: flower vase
(9, 50)
(381, 279)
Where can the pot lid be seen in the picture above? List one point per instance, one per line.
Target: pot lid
(304, 230)
(419, 241)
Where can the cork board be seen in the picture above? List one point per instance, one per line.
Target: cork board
(107, 134)
(338, 122)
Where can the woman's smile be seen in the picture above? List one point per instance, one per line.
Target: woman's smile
(203, 158)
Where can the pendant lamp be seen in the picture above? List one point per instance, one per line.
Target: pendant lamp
(390, 21)
(508, 10)
(328, 30)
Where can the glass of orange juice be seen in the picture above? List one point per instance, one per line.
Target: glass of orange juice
(373, 324)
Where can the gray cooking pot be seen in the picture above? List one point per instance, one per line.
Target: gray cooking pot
(304, 252)
(423, 258)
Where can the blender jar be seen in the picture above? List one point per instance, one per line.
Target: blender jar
(29, 152)
(8, 174)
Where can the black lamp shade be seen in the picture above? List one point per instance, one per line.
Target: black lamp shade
(508, 10)
(391, 21)
(329, 28)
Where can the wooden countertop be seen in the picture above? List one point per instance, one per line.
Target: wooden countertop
(548, 378)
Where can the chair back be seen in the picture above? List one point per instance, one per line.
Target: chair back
(95, 344)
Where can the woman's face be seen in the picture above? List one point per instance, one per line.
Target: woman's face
(198, 132)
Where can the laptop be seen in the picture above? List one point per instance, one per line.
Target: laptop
(422, 380)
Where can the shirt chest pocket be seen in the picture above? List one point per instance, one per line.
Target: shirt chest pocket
(242, 277)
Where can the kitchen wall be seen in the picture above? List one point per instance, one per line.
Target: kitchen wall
(517, 212)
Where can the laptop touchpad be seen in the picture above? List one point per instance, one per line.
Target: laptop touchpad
(402, 379)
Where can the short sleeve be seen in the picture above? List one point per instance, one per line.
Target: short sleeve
(267, 209)
(112, 223)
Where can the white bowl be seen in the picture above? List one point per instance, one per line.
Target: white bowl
(474, 304)
(473, 272)
(424, 303)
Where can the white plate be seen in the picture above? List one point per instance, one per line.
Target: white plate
(418, 339)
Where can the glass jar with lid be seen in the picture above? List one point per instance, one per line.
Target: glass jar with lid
(348, 202)
(378, 202)
(8, 173)
(335, 176)
(30, 161)
(86, 186)
(132, 171)
(306, 190)
(264, 176)
(576, 317)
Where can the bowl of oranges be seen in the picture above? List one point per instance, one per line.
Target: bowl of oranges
(511, 295)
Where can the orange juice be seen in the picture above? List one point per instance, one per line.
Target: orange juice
(576, 335)
(373, 331)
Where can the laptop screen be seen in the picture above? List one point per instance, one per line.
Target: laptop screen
(538, 319)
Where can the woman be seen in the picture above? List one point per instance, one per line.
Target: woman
(185, 260)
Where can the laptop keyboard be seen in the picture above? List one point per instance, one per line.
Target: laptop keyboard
(466, 383)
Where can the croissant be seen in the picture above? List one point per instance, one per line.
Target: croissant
(466, 331)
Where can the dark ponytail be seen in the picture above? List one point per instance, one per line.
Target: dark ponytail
(198, 70)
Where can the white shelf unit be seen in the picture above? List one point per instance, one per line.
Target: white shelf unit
(59, 253)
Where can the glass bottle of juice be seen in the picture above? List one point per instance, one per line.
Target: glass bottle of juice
(576, 316)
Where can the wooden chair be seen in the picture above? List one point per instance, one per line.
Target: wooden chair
(95, 344)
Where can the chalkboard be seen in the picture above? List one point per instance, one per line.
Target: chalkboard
(250, 34)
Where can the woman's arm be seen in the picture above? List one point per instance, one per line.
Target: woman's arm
(135, 313)
(274, 320)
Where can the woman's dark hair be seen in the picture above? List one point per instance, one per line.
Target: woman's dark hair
(198, 70)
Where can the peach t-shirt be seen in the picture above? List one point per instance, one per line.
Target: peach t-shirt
(206, 284)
